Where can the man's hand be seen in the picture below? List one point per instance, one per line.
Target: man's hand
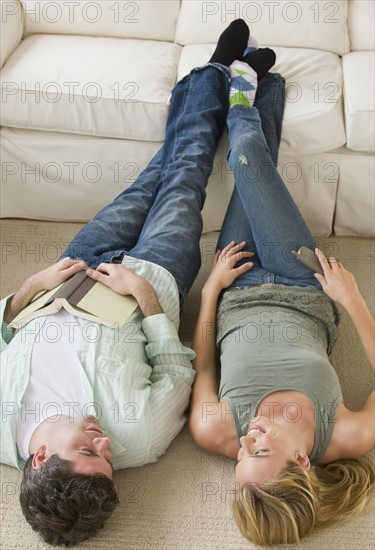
(338, 283)
(47, 279)
(117, 277)
(56, 274)
(224, 272)
(124, 281)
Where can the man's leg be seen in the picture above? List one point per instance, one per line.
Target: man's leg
(118, 225)
(171, 233)
(117, 228)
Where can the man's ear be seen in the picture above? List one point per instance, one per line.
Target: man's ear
(40, 457)
(303, 460)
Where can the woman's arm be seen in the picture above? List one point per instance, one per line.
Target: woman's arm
(354, 434)
(207, 417)
(339, 284)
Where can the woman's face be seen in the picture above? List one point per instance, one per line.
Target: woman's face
(265, 451)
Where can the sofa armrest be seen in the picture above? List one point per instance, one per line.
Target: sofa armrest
(11, 28)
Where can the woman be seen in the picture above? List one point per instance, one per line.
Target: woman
(279, 410)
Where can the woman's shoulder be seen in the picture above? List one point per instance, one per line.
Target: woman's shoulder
(353, 432)
(218, 433)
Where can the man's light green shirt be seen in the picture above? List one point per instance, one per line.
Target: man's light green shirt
(136, 379)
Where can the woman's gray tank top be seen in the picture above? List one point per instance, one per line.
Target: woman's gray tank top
(274, 338)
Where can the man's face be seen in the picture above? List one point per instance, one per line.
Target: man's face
(82, 443)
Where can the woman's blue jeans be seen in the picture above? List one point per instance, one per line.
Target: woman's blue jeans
(159, 217)
(261, 210)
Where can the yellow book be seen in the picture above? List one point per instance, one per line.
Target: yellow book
(82, 297)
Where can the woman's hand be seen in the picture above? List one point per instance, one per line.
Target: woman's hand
(58, 273)
(224, 272)
(338, 283)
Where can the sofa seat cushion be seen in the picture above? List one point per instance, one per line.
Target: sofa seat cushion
(359, 94)
(313, 118)
(69, 177)
(87, 85)
(355, 199)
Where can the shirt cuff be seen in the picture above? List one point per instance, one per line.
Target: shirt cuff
(158, 327)
(7, 332)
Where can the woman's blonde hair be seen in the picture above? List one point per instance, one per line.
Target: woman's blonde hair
(288, 508)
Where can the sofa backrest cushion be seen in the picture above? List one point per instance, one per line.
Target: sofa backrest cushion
(11, 28)
(144, 19)
(361, 21)
(315, 24)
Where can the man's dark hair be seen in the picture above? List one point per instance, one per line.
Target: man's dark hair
(63, 506)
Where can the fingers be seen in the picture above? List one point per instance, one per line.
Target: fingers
(330, 264)
(77, 265)
(107, 269)
(322, 259)
(216, 257)
(80, 264)
(97, 276)
(243, 268)
(233, 249)
(240, 256)
(227, 248)
(321, 279)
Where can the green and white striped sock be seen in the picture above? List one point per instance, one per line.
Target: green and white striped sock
(243, 85)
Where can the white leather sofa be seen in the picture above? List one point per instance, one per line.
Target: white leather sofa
(85, 88)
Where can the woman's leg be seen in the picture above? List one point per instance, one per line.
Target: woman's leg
(269, 101)
(276, 223)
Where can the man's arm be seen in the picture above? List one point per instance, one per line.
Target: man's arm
(124, 281)
(47, 279)
(21, 299)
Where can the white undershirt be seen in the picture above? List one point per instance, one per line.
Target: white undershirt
(54, 386)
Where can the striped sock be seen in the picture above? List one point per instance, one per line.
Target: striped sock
(243, 85)
(252, 45)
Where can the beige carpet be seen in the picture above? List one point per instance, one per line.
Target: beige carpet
(183, 501)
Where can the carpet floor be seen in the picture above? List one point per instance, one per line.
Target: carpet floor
(183, 502)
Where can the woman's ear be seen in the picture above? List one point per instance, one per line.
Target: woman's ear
(303, 460)
(40, 457)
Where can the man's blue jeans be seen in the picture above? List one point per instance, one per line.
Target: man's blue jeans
(261, 211)
(159, 217)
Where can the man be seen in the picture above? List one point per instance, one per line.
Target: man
(94, 399)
